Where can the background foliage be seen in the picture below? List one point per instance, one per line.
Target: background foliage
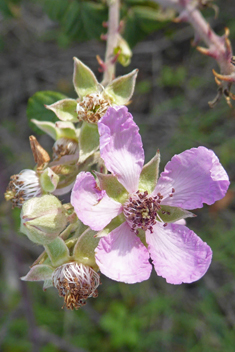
(38, 40)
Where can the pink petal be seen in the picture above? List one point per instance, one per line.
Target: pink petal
(196, 176)
(92, 205)
(178, 254)
(121, 146)
(121, 256)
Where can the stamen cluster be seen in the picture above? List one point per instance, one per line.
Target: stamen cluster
(64, 146)
(92, 108)
(142, 210)
(22, 187)
(76, 283)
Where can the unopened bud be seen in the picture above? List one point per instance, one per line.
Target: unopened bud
(123, 51)
(43, 219)
(76, 283)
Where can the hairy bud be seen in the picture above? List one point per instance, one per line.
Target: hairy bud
(42, 219)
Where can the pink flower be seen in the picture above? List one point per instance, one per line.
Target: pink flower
(136, 214)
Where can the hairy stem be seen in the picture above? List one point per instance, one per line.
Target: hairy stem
(218, 47)
(112, 38)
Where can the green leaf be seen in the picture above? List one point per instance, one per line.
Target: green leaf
(36, 107)
(55, 9)
(88, 141)
(83, 20)
(113, 187)
(142, 20)
(5, 8)
(84, 79)
(121, 89)
(149, 174)
(65, 110)
(172, 214)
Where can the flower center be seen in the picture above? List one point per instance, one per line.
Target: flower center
(141, 210)
(92, 108)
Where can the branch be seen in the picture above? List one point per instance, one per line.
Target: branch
(218, 47)
(112, 40)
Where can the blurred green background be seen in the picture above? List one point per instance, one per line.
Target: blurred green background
(38, 40)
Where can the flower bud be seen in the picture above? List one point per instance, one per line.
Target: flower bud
(123, 51)
(42, 219)
(76, 283)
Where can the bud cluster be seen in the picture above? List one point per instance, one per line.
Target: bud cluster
(68, 261)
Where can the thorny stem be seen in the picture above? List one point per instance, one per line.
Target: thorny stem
(112, 39)
(217, 45)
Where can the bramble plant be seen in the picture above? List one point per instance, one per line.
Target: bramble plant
(123, 218)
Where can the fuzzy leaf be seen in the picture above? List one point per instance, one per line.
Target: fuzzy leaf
(121, 89)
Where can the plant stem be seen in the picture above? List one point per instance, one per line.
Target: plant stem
(218, 47)
(112, 38)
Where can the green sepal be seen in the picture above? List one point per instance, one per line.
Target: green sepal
(58, 252)
(121, 89)
(57, 130)
(39, 272)
(141, 235)
(49, 180)
(149, 174)
(65, 110)
(172, 214)
(84, 250)
(47, 127)
(66, 130)
(84, 79)
(113, 187)
(117, 221)
(88, 141)
(47, 283)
